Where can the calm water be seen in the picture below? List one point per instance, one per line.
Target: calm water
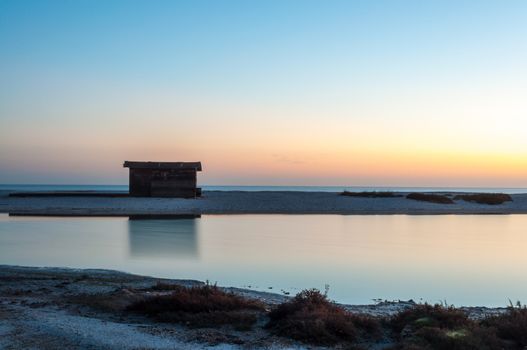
(124, 188)
(465, 260)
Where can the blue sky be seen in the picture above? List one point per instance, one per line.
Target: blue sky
(286, 88)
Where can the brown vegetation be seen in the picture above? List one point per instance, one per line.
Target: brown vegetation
(485, 198)
(371, 194)
(512, 325)
(311, 318)
(203, 306)
(432, 198)
(440, 327)
(427, 315)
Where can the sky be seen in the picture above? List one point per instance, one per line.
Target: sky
(286, 92)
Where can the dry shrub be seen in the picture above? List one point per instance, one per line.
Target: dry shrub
(370, 194)
(439, 327)
(485, 198)
(426, 315)
(472, 337)
(311, 318)
(432, 198)
(201, 306)
(512, 325)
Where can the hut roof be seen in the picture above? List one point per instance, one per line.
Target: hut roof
(163, 165)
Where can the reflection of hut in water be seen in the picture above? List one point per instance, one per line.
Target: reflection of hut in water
(163, 238)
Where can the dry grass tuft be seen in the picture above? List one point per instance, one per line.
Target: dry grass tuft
(512, 325)
(485, 198)
(203, 306)
(432, 198)
(443, 328)
(371, 194)
(426, 315)
(311, 318)
(471, 337)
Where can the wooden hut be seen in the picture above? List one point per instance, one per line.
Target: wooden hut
(164, 179)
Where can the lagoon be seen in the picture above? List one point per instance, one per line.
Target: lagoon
(470, 260)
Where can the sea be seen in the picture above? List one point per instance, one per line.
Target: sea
(124, 188)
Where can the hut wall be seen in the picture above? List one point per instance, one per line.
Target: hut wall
(163, 183)
(174, 183)
(140, 182)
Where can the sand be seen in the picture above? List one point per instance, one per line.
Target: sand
(239, 202)
(36, 312)
(39, 309)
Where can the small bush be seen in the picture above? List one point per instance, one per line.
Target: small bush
(311, 318)
(485, 198)
(426, 315)
(512, 325)
(203, 306)
(471, 337)
(439, 327)
(432, 198)
(370, 194)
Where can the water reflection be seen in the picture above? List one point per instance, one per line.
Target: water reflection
(165, 238)
(464, 259)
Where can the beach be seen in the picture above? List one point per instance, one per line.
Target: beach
(49, 308)
(240, 202)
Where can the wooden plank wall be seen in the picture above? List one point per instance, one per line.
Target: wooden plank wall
(163, 183)
(140, 182)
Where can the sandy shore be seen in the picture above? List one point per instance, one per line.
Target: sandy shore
(44, 308)
(238, 202)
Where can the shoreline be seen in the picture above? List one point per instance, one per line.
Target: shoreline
(383, 308)
(240, 202)
(54, 307)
